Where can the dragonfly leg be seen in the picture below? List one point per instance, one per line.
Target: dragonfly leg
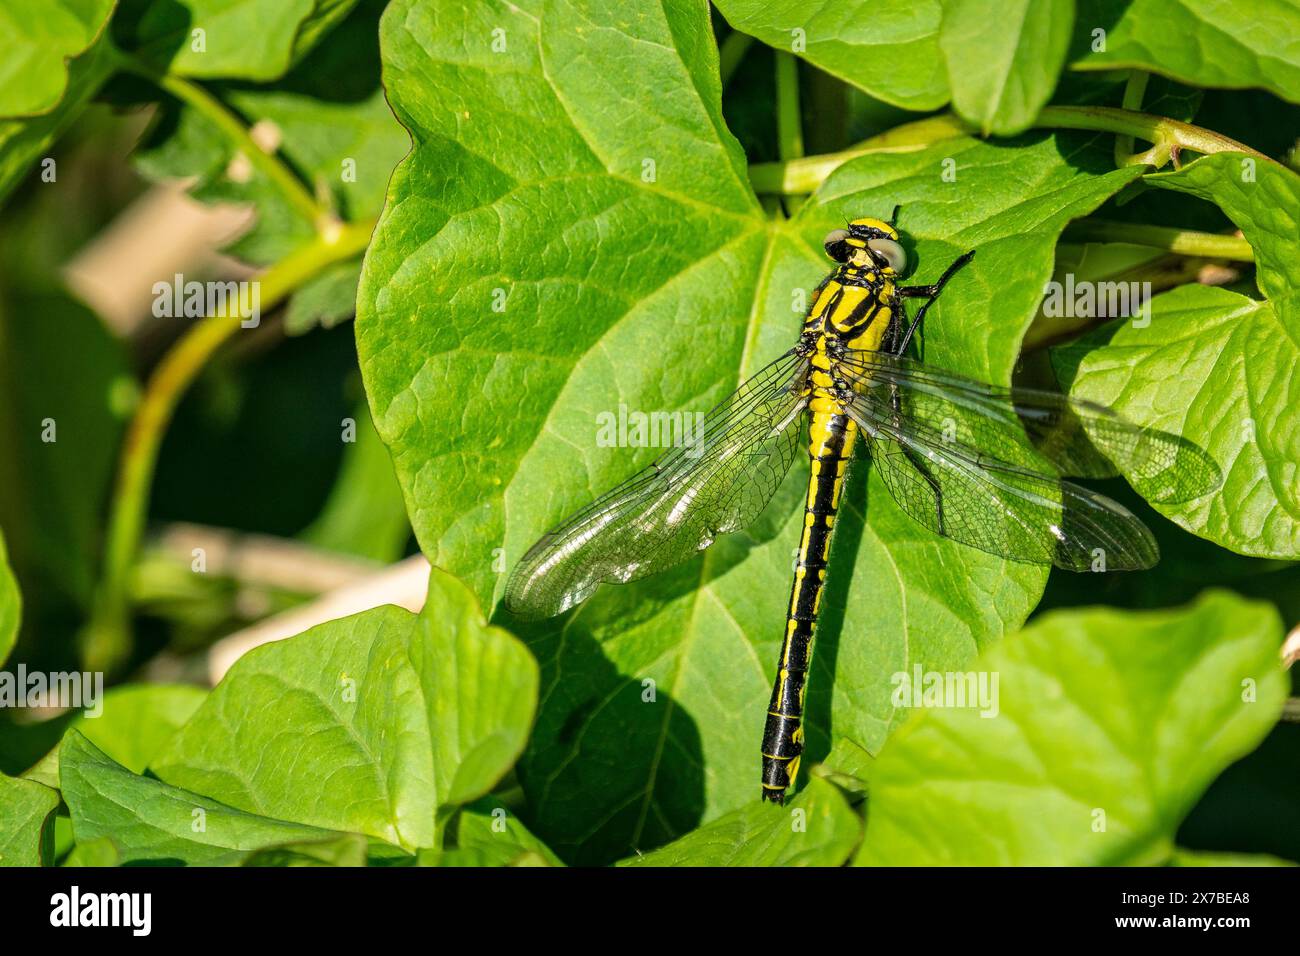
(929, 293)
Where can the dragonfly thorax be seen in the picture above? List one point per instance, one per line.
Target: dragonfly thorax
(854, 307)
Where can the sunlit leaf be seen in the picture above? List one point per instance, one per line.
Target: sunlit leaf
(1108, 726)
(1202, 42)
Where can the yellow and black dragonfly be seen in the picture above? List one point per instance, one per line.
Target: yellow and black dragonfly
(979, 464)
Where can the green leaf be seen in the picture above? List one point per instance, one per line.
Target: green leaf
(375, 723)
(238, 39)
(1200, 42)
(131, 726)
(138, 721)
(23, 141)
(491, 835)
(334, 128)
(347, 849)
(25, 809)
(99, 852)
(887, 48)
(1216, 366)
(11, 604)
(1003, 67)
(37, 38)
(816, 829)
(480, 690)
(1110, 725)
(326, 300)
(1208, 367)
(332, 732)
(848, 766)
(62, 378)
(364, 514)
(1007, 200)
(1183, 857)
(478, 857)
(664, 295)
(151, 822)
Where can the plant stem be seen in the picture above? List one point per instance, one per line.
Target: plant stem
(236, 131)
(1134, 89)
(789, 122)
(807, 173)
(106, 641)
(789, 119)
(1163, 133)
(731, 51)
(1185, 242)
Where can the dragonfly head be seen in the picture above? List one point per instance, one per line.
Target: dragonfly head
(867, 243)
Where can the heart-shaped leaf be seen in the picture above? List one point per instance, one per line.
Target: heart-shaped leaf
(1216, 366)
(644, 275)
(378, 723)
(1106, 727)
(1202, 42)
(331, 733)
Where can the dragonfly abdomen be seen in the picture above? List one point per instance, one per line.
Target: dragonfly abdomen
(832, 436)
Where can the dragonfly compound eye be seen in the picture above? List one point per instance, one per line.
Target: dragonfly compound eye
(836, 245)
(891, 251)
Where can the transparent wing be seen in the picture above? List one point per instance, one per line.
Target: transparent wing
(1079, 438)
(678, 505)
(1007, 501)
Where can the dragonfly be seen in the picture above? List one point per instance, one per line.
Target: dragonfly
(979, 464)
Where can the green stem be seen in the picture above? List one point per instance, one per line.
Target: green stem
(789, 118)
(789, 122)
(805, 174)
(1163, 133)
(107, 641)
(1185, 242)
(731, 52)
(236, 131)
(1134, 89)
(1166, 135)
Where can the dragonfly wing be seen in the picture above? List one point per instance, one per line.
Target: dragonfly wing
(677, 506)
(1009, 509)
(1077, 437)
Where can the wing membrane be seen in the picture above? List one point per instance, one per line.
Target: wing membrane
(1015, 508)
(678, 505)
(1078, 437)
